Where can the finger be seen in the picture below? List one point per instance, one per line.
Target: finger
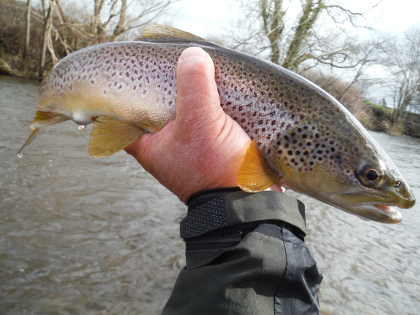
(197, 95)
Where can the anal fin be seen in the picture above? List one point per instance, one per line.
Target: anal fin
(110, 136)
(254, 174)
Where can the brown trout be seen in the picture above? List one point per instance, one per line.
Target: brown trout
(301, 134)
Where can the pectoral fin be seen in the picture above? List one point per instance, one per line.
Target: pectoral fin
(110, 136)
(254, 174)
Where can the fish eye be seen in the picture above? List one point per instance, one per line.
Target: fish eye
(397, 184)
(370, 177)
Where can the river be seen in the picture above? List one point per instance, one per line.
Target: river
(100, 236)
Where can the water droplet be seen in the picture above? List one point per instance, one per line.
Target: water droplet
(19, 155)
(81, 127)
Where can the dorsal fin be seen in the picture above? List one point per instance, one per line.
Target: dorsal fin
(158, 32)
(165, 34)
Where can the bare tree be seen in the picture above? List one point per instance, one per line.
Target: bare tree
(272, 15)
(367, 53)
(295, 40)
(47, 40)
(28, 29)
(402, 58)
(111, 19)
(108, 21)
(310, 13)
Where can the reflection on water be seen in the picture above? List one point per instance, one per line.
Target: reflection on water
(86, 236)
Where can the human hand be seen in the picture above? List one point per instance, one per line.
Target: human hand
(203, 147)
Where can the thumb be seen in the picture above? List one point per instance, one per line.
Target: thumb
(197, 95)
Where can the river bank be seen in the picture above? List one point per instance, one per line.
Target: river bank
(12, 35)
(380, 119)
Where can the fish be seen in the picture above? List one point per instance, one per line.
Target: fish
(301, 135)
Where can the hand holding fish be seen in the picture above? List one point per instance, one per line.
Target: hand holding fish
(203, 147)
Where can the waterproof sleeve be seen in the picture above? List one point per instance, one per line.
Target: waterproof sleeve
(245, 255)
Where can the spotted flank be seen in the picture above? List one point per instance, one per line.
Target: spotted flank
(302, 136)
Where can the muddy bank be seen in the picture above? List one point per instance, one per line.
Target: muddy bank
(6, 68)
(380, 119)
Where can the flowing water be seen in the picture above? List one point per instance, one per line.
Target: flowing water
(86, 236)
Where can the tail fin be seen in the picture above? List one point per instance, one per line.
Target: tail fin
(28, 141)
(41, 119)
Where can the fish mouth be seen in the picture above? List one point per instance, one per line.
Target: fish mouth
(381, 206)
(383, 213)
(379, 210)
(392, 215)
(386, 211)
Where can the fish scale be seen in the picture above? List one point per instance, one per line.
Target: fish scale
(305, 137)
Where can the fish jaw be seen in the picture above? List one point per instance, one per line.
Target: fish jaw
(381, 206)
(372, 210)
(377, 212)
(392, 213)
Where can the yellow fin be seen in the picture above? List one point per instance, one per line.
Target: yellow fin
(254, 174)
(41, 119)
(110, 136)
(155, 31)
(47, 118)
(28, 141)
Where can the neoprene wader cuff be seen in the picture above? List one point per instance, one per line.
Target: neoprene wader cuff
(245, 255)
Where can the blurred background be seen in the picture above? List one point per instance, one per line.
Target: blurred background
(85, 236)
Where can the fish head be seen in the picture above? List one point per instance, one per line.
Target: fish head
(320, 149)
(351, 173)
(375, 190)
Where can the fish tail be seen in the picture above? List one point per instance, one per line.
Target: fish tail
(41, 119)
(28, 141)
